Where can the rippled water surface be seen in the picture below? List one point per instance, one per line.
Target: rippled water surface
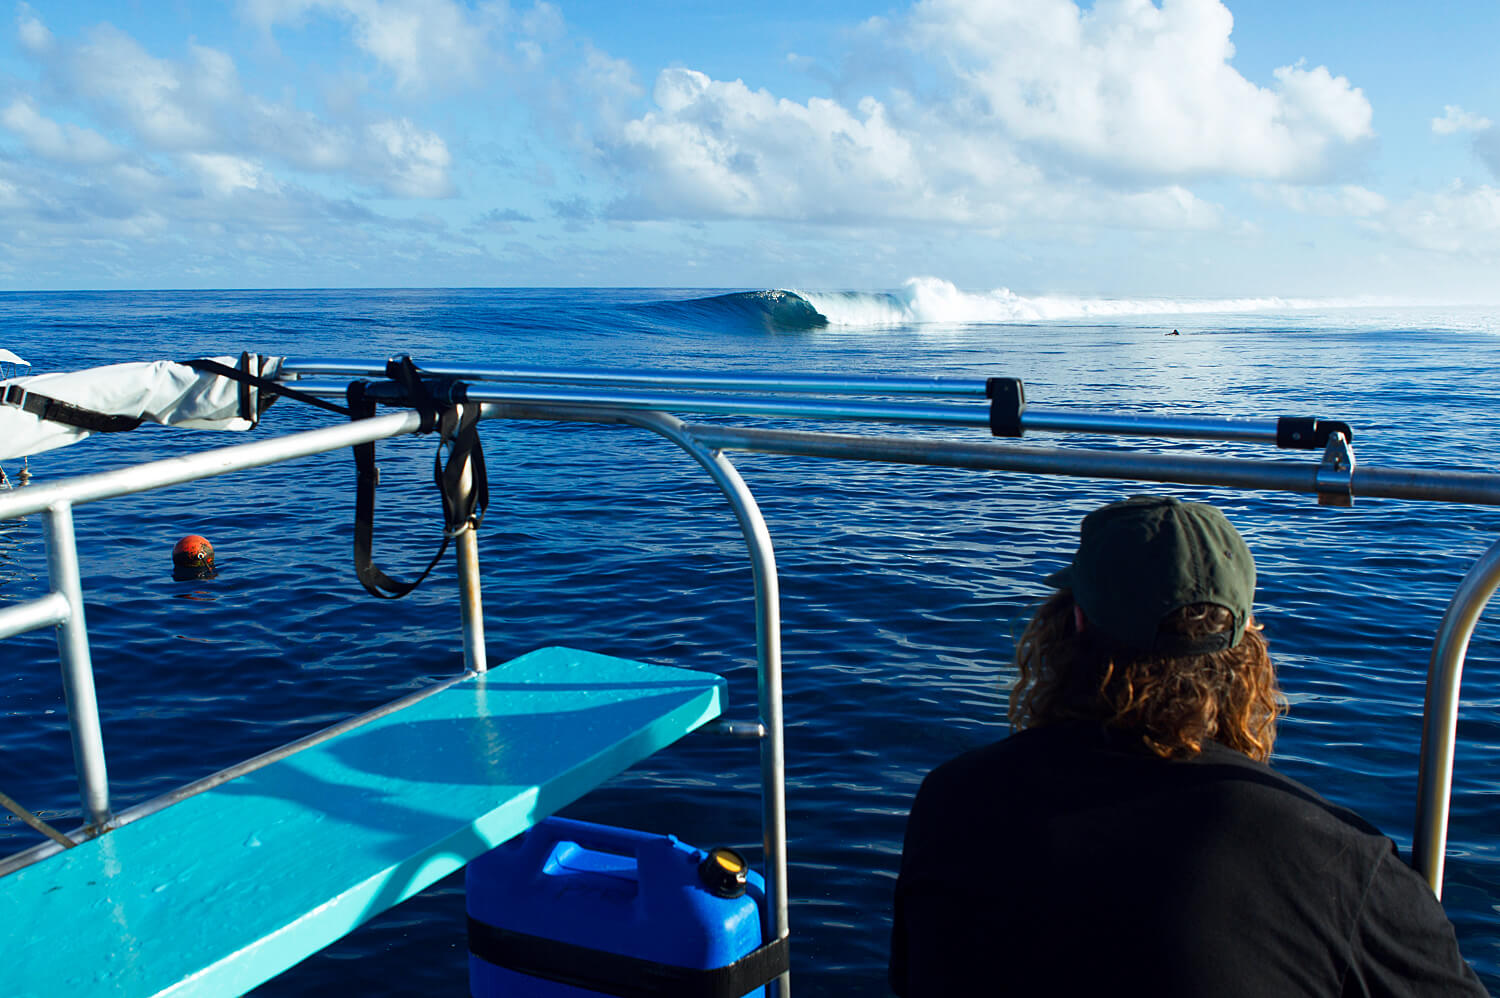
(902, 588)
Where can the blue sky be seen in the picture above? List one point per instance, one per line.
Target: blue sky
(1182, 149)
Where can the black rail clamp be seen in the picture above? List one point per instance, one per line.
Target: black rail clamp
(1307, 433)
(1007, 402)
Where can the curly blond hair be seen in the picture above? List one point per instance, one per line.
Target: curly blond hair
(1174, 705)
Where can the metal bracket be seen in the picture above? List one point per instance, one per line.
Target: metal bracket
(1335, 478)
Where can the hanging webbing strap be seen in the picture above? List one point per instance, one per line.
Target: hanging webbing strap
(464, 502)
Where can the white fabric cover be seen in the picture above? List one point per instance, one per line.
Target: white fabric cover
(157, 391)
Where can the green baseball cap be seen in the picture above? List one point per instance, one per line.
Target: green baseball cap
(1143, 558)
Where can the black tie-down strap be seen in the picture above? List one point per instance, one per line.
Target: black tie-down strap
(624, 976)
(248, 374)
(463, 503)
(58, 411)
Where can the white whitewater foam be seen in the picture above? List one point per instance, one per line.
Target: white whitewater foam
(934, 300)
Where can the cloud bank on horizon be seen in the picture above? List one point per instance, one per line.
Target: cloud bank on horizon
(1123, 147)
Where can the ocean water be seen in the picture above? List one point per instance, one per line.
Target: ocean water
(903, 589)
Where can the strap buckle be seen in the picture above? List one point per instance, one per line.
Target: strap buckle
(15, 395)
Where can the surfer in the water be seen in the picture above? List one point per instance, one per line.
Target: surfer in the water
(1174, 333)
(193, 558)
(1129, 837)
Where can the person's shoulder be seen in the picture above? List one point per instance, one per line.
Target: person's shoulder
(1270, 784)
(1019, 751)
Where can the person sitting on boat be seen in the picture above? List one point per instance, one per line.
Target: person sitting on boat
(1129, 836)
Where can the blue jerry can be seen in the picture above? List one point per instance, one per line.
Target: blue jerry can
(574, 908)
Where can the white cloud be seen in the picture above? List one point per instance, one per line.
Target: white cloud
(1456, 119)
(1131, 87)
(67, 143)
(155, 97)
(416, 161)
(222, 175)
(197, 112)
(1344, 201)
(1457, 220)
(33, 33)
(423, 43)
(1046, 112)
(721, 148)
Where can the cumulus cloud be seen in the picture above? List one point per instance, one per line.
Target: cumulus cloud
(1460, 219)
(196, 111)
(33, 34)
(422, 43)
(1456, 119)
(1047, 111)
(67, 143)
(1131, 87)
(1342, 201)
(724, 149)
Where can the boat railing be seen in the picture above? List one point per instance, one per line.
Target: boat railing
(655, 400)
(1334, 477)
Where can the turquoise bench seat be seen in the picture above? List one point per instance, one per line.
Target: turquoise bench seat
(219, 892)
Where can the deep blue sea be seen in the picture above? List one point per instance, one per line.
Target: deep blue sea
(903, 588)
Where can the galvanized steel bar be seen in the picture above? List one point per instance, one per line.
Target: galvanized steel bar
(52, 608)
(205, 464)
(1440, 715)
(632, 378)
(471, 598)
(1146, 424)
(77, 669)
(768, 656)
(1181, 469)
(591, 388)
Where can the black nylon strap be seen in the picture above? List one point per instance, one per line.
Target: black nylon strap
(269, 389)
(57, 411)
(624, 976)
(462, 508)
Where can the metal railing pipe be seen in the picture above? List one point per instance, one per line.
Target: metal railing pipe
(1440, 715)
(585, 389)
(768, 655)
(77, 668)
(205, 464)
(52, 608)
(1147, 425)
(631, 378)
(1180, 469)
(470, 591)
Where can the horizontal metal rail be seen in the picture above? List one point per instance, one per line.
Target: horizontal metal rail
(632, 378)
(52, 608)
(1036, 418)
(205, 464)
(1182, 469)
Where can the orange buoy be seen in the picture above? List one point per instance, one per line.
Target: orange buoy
(193, 558)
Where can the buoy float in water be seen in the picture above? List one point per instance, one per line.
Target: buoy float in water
(193, 558)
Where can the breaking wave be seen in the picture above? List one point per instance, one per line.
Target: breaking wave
(934, 301)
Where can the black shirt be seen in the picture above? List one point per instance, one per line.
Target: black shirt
(1065, 860)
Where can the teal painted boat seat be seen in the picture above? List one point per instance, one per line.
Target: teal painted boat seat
(222, 891)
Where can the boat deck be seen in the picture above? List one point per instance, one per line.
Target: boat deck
(219, 892)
